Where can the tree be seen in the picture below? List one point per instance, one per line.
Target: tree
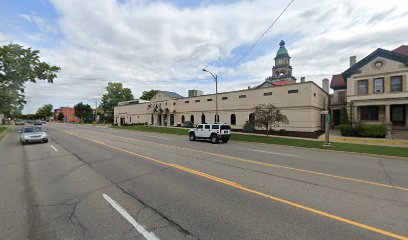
(267, 116)
(19, 65)
(147, 95)
(344, 116)
(115, 93)
(83, 112)
(44, 112)
(60, 117)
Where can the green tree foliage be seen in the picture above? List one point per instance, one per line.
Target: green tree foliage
(60, 116)
(115, 93)
(19, 65)
(344, 116)
(44, 112)
(268, 116)
(147, 95)
(83, 112)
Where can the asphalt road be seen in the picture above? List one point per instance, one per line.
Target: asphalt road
(93, 182)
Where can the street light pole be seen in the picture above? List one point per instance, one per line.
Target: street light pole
(217, 118)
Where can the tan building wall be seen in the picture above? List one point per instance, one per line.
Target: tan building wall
(302, 108)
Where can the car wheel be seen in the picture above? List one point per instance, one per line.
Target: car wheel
(214, 139)
(192, 137)
(46, 140)
(225, 140)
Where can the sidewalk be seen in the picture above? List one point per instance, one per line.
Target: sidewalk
(396, 141)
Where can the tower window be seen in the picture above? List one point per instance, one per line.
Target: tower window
(268, 94)
(293, 91)
(242, 96)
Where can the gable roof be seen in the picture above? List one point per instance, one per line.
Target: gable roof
(172, 94)
(377, 53)
(403, 50)
(338, 82)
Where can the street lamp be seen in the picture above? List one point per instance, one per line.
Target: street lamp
(217, 119)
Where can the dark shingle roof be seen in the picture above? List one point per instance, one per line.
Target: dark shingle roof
(403, 50)
(338, 82)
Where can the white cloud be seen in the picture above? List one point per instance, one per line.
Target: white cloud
(156, 45)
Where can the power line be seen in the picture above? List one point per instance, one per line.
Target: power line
(260, 38)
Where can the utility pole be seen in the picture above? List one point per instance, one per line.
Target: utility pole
(217, 118)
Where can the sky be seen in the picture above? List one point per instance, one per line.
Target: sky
(164, 45)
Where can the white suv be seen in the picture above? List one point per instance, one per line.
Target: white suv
(215, 132)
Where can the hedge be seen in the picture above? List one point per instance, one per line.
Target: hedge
(375, 131)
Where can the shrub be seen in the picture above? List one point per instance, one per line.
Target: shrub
(344, 116)
(249, 127)
(346, 130)
(376, 131)
(282, 132)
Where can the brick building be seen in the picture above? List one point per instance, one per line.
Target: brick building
(69, 114)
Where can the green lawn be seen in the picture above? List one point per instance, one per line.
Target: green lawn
(2, 129)
(359, 148)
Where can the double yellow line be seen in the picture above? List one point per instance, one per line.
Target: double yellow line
(237, 186)
(262, 163)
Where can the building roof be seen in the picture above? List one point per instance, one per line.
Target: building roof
(338, 82)
(283, 82)
(172, 94)
(403, 50)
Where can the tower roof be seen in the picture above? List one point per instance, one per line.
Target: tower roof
(282, 52)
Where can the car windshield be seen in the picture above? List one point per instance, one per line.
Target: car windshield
(31, 130)
(225, 127)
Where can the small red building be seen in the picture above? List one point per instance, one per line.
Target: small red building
(69, 114)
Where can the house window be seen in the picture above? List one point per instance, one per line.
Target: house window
(268, 94)
(242, 96)
(203, 118)
(192, 119)
(341, 97)
(396, 84)
(209, 100)
(183, 119)
(378, 85)
(197, 100)
(233, 119)
(362, 86)
(224, 98)
(130, 119)
(369, 113)
(186, 101)
(293, 91)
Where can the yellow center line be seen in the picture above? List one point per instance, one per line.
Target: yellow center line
(264, 164)
(237, 186)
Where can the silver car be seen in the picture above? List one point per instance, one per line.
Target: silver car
(33, 134)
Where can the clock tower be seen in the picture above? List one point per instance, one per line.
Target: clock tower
(282, 71)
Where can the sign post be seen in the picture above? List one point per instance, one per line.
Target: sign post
(327, 124)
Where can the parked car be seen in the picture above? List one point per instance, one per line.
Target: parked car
(214, 132)
(30, 134)
(37, 122)
(19, 122)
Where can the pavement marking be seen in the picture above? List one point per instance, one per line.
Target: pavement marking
(237, 186)
(54, 148)
(130, 219)
(265, 164)
(282, 154)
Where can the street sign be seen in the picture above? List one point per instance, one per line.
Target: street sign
(324, 112)
(328, 118)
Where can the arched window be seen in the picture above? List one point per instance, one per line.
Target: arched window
(192, 119)
(183, 119)
(233, 119)
(203, 118)
(251, 118)
(152, 119)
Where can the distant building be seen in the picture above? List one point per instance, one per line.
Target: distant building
(301, 102)
(374, 89)
(69, 114)
(194, 93)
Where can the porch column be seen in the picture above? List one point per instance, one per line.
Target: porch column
(355, 114)
(387, 114)
(388, 123)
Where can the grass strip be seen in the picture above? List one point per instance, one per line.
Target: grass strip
(348, 147)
